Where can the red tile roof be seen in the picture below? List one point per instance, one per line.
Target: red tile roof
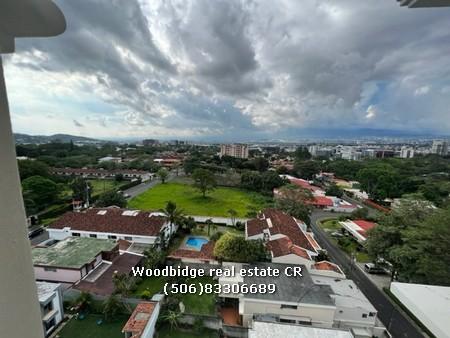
(111, 220)
(277, 222)
(365, 225)
(284, 246)
(322, 201)
(205, 253)
(303, 184)
(139, 318)
(327, 266)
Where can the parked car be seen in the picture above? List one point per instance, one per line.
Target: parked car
(35, 232)
(374, 269)
(337, 234)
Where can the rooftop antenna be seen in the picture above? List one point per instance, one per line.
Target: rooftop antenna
(20, 313)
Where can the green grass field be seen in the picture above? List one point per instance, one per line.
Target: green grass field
(88, 328)
(216, 203)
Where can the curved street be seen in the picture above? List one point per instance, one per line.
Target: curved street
(394, 320)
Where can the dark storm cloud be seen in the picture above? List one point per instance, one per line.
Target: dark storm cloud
(255, 66)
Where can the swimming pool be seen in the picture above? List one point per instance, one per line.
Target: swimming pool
(196, 242)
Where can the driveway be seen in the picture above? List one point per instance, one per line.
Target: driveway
(143, 187)
(398, 324)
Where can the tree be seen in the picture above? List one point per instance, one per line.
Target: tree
(81, 189)
(334, 190)
(111, 198)
(42, 191)
(302, 154)
(188, 223)
(264, 182)
(415, 240)
(153, 258)
(209, 223)
(163, 174)
(295, 201)
(233, 214)
(204, 180)
(380, 182)
(172, 317)
(118, 177)
(28, 168)
(234, 248)
(260, 164)
(360, 213)
(84, 301)
(307, 169)
(124, 284)
(112, 307)
(172, 214)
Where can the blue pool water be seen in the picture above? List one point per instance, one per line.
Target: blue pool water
(196, 242)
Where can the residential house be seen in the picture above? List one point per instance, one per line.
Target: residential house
(112, 223)
(51, 303)
(358, 228)
(285, 236)
(72, 259)
(312, 300)
(142, 321)
(261, 329)
(127, 174)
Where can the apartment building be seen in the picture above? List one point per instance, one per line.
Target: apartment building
(234, 150)
(51, 304)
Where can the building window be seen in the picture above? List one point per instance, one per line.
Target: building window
(285, 306)
(48, 307)
(291, 321)
(372, 314)
(127, 238)
(50, 324)
(76, 234)
(93, 235)
(50, 269)
(112, 237)
(364, 315)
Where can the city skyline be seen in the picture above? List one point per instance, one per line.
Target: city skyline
(235, 71)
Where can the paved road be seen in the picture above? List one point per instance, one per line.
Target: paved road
(139, 189)
(396, 323)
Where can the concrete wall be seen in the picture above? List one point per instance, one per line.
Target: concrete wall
(292, 259)
(150, 328)
(60, 275)
(60, 234)
(320, 316)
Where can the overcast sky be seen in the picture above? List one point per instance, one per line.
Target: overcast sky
(234, 69)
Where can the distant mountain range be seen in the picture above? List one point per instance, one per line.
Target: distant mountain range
(64, 138)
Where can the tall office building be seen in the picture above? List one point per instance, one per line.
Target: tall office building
(407, 152)
(439, 148)
(234, 150)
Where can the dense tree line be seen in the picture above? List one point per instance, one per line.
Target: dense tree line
(416, 241)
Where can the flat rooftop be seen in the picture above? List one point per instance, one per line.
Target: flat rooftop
(270, 330)
(73, 252)
(46, 290)
(291, 289)
(428, 303)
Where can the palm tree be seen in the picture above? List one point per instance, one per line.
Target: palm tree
(233, 214)
(172, 214)
(172, 317)
(111, 307)
(209, 223)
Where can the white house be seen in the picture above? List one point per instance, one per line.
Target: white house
(262, 329)
(311, 299)
(72, 259)
(112, 223)
(142, 321)
(358, 228)
(51, 303)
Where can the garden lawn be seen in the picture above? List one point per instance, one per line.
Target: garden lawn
(216, 203)
(151, 284)
(166, 332)
(196, 304)
(101, 186)
(331, 225)
(88, 328)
